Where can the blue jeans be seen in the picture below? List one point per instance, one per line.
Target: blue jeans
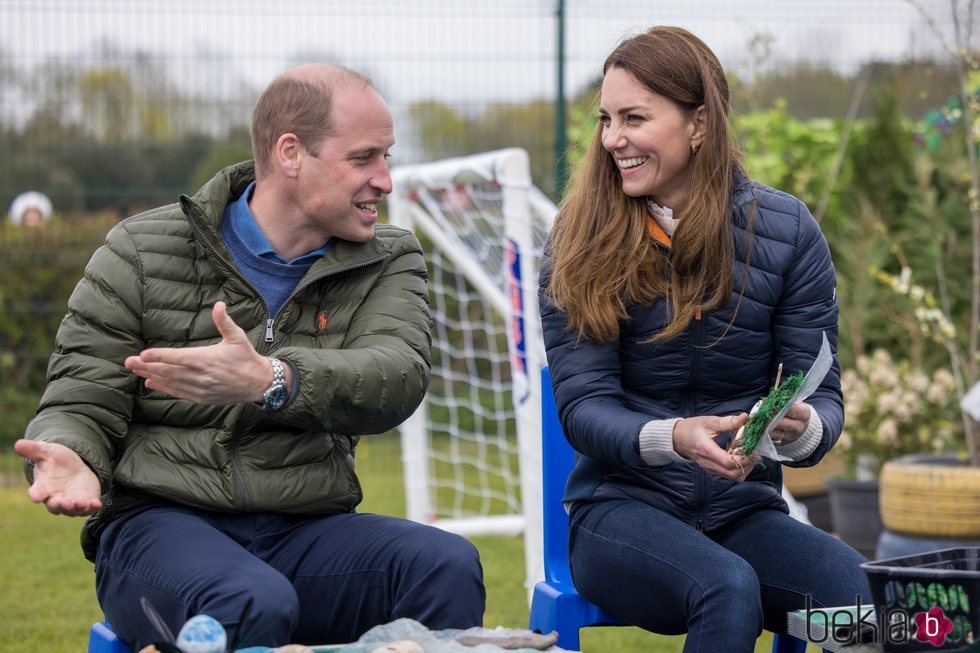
(661, 574)
(312, 580)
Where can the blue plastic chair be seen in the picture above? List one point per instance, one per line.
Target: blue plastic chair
(555, 603)
(101, 639)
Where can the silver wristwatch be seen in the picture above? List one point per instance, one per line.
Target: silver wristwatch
(275, 397)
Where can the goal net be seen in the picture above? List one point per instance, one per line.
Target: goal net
(472, 451)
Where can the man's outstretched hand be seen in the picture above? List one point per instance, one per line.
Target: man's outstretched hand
(62, 480)
(228, 372)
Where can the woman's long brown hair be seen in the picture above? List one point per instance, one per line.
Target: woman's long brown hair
(603, 258)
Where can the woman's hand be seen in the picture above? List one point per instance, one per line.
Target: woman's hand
(791, 427)
(694, 439)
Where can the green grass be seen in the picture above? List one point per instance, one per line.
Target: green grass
(48, 600)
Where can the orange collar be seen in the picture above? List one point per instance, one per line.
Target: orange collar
(657, 232)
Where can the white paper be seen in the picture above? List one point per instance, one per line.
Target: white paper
(810, 383)
(970, 403)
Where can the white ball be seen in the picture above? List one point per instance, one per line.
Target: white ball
(202, 634)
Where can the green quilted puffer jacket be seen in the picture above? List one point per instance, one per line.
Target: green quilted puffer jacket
(356, 329)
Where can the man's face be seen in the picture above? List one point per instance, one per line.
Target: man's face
(339, 190)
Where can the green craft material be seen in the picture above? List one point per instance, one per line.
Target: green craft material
(771, 404)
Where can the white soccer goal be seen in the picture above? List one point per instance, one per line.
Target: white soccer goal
(472, 451)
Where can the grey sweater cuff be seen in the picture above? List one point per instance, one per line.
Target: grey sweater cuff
(657, 442)
(807, 443)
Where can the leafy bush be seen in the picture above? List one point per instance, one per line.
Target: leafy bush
(792, 155)
(894, 409)
(41, 267)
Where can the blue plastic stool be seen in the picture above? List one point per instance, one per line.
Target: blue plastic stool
(555, 603)
(101, 639)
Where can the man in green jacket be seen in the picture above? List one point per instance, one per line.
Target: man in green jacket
(217, 364)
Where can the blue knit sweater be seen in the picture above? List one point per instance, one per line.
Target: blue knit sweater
(274, 277)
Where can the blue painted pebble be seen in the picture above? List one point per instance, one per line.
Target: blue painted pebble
(202, 634)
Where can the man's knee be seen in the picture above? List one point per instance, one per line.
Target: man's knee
(273, 612)
(447, 590)
(454, 557)
(459, 553)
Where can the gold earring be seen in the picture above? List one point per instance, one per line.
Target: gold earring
(694, 147)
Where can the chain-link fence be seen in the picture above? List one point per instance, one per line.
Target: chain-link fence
(111, 106)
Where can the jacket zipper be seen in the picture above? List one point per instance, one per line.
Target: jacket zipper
(264, 345)
(697, 336)
(236, 430)
(110, 491)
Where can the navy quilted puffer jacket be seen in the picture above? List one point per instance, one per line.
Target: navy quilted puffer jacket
(606, 392)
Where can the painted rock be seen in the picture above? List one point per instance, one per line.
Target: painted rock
(202, 634)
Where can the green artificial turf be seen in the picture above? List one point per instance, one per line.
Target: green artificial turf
(772, 403)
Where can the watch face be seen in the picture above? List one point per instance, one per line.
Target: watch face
(275, 397)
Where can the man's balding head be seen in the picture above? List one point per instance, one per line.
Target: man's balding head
(298, 101)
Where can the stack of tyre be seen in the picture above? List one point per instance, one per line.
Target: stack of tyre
(928, 503)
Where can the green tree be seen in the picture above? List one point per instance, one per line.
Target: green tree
(108, 104)
(786, 153)
(41, 267)
(440, 129)
(442, 132)
(219, 154)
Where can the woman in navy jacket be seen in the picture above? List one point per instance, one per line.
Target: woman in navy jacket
(672, 289)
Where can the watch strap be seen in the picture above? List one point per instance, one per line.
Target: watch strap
(276, 396)
(278, 371)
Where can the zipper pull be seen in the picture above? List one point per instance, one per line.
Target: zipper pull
(268, 329)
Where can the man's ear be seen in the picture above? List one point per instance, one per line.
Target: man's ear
(287, 154)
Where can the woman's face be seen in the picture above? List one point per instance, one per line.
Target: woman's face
(649, 138)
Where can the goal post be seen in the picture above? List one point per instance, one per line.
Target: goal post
(472, 451)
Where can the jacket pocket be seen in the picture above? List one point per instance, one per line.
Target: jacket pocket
(302, 473)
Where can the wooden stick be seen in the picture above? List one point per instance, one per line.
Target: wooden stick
(779, 373)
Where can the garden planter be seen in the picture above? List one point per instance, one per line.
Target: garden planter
(894, 545)
(807, 481)
(854, 512)
(818, 510)
(931, 496)
(808, 485)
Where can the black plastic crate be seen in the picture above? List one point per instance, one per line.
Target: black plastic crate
(910, 587)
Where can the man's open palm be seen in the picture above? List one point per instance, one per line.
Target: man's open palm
(62, 480)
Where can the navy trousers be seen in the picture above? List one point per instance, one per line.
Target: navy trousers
(722, 588)
(322, 580)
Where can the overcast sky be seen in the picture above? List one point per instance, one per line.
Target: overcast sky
(455, 50)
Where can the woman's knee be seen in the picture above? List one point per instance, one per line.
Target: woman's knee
(841, 581)
(731, 581)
